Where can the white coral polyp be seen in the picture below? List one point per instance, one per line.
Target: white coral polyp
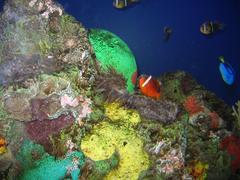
(67, 100)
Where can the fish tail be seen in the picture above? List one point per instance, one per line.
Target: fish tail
(219, 26)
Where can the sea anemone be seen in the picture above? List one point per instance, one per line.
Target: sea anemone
(192, 105)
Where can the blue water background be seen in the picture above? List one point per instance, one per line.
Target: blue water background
(141, 27)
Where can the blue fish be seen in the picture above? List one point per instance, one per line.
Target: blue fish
(227, 72)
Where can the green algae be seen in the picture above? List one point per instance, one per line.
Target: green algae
(117, 132)
(111, 51)
(172, 90)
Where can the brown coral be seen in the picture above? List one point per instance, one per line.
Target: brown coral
(215, 120)
(111, 84)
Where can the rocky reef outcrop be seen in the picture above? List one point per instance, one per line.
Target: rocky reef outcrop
(63, 107)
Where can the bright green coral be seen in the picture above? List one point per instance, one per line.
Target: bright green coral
(111, 51)
(118, 133)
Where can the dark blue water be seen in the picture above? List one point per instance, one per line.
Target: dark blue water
(1, 5)
(141, 27)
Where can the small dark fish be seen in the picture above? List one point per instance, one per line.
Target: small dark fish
(121, 4)
(167, 31)
(211, 27)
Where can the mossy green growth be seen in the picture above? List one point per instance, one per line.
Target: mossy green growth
(3, 113)
(117, 133)
(113, 52)
(172, 90)
(36, 164)
(102, 167)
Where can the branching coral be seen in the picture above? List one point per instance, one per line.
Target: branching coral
(192, 105)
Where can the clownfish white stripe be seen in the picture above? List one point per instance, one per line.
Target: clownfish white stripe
(148, 79)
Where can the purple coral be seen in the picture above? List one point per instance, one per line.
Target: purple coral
(39, 131)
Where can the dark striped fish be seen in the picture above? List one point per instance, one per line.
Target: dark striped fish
(120, 4)
(211, 27)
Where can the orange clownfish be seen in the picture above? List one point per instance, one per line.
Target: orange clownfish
(150, 87)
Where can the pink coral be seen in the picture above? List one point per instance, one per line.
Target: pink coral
(171, 161)
(67, 100)
(85, 111)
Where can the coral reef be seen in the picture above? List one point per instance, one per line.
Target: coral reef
(38, 37)
(69, 107)
(37, 164)
(164, 111)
